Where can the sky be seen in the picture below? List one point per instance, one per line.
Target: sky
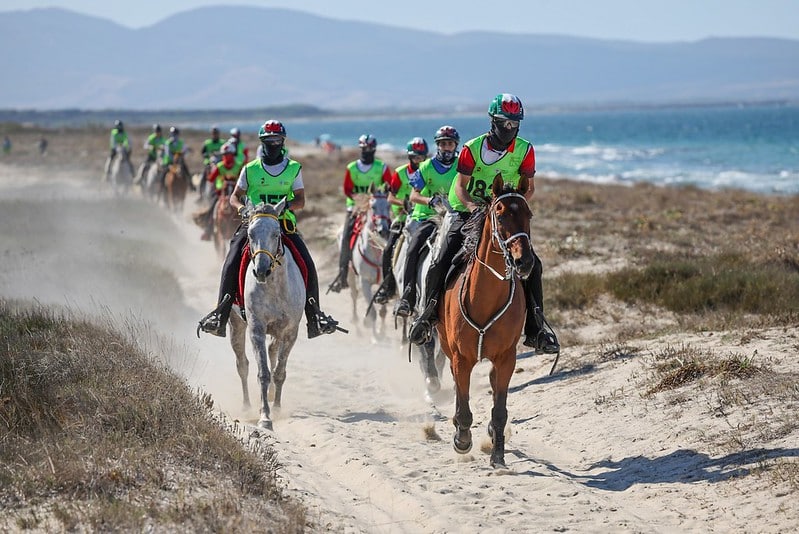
(629, 20)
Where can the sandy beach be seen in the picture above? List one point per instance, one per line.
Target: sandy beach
(590, 448)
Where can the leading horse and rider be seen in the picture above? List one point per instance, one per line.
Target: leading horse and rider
(268, 181)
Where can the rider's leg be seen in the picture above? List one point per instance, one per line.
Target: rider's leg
(535, 333)
(318, 322)
(208, 230)
(108, 164)
(216, 322)
(421, 328)
(389, 286)
(345, 254)
(408, 300)
(130, 165)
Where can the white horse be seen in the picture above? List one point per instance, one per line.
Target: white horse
(431, 358)
(368, 252)
(274, 298)
(121, 171)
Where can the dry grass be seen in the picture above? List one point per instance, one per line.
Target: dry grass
(98, 436)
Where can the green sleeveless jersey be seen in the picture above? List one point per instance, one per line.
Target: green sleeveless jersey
(227, 174)
(362, 180)
(434, 182)
(172, 147)
(483, 175)
(263, 187)
(404, 172)
(209, 148)
(119, 138)
(153, 142)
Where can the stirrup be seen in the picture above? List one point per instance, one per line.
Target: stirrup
(382, 296)
(212, 324)
(403, 308)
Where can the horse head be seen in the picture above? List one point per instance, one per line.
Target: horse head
(121, 152)
(266, 244)
(510, 216)
(379, 213)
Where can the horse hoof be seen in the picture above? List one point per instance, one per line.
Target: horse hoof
(460, 446)
(266, 424)
(433, 385)
(498, 462)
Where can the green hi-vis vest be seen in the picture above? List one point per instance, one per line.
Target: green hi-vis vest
(434, 182)
(153, 142)
(404, 172)
(227, 174)
(362, 180)
(172, 147)
(263, 187)
(210, 147)
(483, 176)
(119, 138)
(240, 152)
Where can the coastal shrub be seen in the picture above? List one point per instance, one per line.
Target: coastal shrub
(725, 282)
(571, 290)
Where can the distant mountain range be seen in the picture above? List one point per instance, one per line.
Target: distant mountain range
(248, 57)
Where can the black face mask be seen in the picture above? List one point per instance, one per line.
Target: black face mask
(368, 157)
(500, 137)
(273, 153)
(445, 156)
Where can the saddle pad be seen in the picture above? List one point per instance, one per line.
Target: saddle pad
(245, 262)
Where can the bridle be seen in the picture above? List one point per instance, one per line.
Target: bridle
(504, 249)
(274, 256)
(510, 272)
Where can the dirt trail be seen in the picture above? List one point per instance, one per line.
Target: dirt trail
(586, 452)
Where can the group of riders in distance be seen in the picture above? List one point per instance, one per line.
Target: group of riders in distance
(452, 181)
(460, 182)
(450, 236)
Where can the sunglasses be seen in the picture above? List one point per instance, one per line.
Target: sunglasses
(507, 123)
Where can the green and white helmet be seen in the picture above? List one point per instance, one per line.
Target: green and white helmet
(417, 147)
(506, 106)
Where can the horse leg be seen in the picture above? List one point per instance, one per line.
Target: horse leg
(238, 329)
(500, 376)
(282, 349)
(428, 366)
(462, 374)
(258, 340)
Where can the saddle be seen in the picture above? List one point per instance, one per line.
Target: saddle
(238, 300)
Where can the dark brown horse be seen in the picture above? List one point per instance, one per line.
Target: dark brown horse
(176, 184)
(225, 219)
(483, 310)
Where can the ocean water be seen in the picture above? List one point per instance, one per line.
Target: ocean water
(754, 148)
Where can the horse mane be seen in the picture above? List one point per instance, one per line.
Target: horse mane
(472, 229)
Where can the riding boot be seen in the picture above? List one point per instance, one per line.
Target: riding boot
(407, 302)
(422, 328)
(387, 289)
(345, 255)
(215, 323)
(318, 322)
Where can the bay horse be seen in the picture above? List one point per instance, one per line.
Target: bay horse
(482, 311)
(225, 219)
(371, 234)
(176, 183)
(274, 297)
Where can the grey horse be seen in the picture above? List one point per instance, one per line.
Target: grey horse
(121, 171)
(274, 298)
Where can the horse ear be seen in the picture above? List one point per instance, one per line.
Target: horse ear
(372, 188)
(498, 184)
(524, 185)
(280, 206)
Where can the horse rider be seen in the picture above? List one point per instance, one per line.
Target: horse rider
(211, 146)
(499, 151)
(416, 150)
(430, 184)
(269, 179)
(173, 146)
(119, 137)
(359, 176)
(225, 170)
(152, 145)
(242, 152)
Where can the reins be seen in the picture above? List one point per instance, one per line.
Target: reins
(508, 276)
(275, 257)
